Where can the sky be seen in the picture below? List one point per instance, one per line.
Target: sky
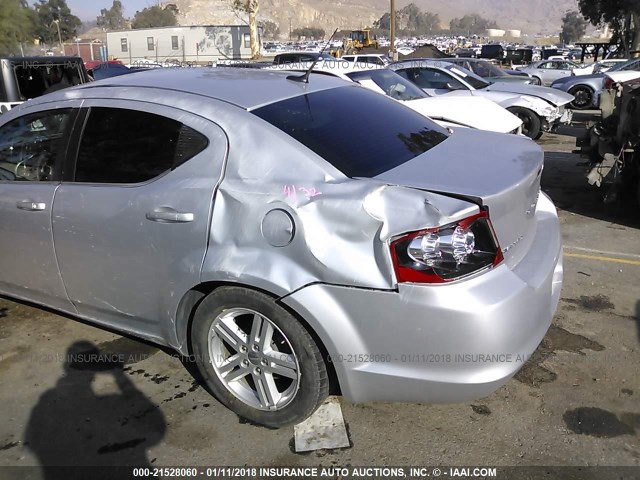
(90, 9)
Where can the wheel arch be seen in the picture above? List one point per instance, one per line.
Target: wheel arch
(535, 119)
(192, 299)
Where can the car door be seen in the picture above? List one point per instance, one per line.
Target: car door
(131, 229)
(32, 153)
(564, 69)
(542, 71)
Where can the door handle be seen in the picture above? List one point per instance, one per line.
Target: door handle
(169, 215)
(31, 206)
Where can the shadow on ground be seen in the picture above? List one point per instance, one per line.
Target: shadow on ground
(71, 425)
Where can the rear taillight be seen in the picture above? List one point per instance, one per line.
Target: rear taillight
(444, 254)
(608, 83)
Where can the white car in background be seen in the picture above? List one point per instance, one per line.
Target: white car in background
(369, 58)
(600, 66)
(541, 109)
(475, 112)
(405, 50)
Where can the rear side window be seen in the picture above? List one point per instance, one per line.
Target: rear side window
(360, 132)
(129, 146)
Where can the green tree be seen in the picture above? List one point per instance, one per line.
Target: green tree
(472, 24)
(156, 16)
(50, 12)
(573, 27)
(270, 29)
(112, 18)
(427, 23)
(16, 25)
(410, 21)
(384, 22)
(623, 16)
(308, 33)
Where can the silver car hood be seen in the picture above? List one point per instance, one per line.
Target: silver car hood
(505, 179)
(552, 95)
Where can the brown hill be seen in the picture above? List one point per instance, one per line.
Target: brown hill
(530, 16)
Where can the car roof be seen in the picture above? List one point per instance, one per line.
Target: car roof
(335, 65)
(376, 55)
(466, 59)
(409, 60)
(417, 62)
(243, 87)
(43, 59)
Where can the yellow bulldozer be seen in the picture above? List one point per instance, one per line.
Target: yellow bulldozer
(357, 40)
(362, 39)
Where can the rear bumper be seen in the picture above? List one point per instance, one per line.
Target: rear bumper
(444, 343)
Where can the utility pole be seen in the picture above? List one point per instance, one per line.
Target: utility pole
(392, 32)
(57, 22)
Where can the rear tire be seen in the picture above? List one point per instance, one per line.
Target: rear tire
(257, 359)
(531, 124)
(584, 97)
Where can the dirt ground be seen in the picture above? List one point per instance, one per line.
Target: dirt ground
(575, 403)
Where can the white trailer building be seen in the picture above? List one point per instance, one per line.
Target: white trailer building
(194, 44)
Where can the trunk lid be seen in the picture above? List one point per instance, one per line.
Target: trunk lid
(501, 172)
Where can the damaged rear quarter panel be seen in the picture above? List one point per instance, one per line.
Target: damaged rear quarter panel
(341, 226)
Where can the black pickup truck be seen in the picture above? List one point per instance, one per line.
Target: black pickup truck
(23, 78)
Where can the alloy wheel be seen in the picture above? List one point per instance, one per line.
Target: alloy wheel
(253, 359)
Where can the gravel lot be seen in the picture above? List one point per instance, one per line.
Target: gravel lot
(576, 402)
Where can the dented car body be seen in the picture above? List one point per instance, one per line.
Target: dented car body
(281, 246)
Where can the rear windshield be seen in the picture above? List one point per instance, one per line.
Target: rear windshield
(360, 132)
(471, 78)
(390, 82)
(486, 69)
(633, 64)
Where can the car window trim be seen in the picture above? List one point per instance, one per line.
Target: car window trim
(69, 167)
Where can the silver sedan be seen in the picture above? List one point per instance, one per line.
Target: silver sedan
(282, 233)
(548, 71)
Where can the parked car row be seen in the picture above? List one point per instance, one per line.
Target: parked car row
(289, 232)
(451, 112)
(535, 114)
(540, 109)
(587, 88)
